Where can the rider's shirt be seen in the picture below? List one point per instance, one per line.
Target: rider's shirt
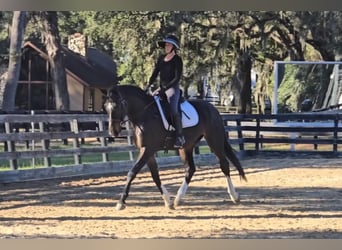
(170, 72)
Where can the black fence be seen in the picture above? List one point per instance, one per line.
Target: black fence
(299, 133)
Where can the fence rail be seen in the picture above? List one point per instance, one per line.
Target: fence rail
(47, 137)
(256, 133)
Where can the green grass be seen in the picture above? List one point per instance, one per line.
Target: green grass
(121, 156)
(69, 160)
(62, 161)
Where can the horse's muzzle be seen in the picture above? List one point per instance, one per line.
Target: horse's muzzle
(114, 129)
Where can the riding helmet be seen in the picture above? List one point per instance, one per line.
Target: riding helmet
(170, 39)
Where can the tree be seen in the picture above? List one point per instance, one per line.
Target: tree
(246, 88)
(210, 41)
(53, 47)
(17, 33)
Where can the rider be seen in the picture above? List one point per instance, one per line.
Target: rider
(170, 67)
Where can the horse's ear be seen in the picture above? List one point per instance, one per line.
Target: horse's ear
(111, 89)
(108, 94)
(104, 91)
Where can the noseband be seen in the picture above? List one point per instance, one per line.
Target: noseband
(122, 107)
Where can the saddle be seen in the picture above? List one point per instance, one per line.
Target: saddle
(189, 114)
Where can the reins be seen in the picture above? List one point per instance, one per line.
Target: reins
(123, 104)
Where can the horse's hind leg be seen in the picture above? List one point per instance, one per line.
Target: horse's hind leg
(152, 164)
(224, 165)
(188, 160)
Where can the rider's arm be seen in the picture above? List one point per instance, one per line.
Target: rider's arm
(154, 74)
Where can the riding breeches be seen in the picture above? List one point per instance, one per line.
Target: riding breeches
(173, 95)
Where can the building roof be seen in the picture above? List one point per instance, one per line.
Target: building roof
(96, 69)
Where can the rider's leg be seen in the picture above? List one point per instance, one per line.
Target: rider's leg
(173, 95)
(177, 122)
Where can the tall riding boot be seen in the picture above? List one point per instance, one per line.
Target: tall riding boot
(177, 122)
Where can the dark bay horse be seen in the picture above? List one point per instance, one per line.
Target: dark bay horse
(130, 103)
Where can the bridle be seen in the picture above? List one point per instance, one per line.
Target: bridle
(123, 108)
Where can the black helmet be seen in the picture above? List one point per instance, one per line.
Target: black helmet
(170, 39)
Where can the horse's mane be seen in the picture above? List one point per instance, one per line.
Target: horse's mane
(135, 90)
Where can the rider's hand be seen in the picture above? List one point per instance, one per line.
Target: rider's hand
(147, 89)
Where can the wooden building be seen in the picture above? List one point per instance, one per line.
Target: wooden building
(88, 71)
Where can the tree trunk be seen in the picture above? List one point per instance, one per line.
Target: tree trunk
(241, 84)
(17, 32)
(53, 47)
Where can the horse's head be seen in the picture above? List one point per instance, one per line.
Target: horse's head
(123, 103)
(116, 108)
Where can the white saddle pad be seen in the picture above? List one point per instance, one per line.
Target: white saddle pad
(189, 115)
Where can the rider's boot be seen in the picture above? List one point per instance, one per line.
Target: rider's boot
(177, 122)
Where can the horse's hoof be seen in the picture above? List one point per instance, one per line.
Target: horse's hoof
(170, 207)
(120, 206)
(235, 200)
(177, 202)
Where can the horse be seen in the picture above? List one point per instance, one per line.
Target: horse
(131, 103)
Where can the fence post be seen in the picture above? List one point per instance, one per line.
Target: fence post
(103, 142)
(335, 134)
(239, 132)
(11, 147)
(33, 146)
(45, 146)
(257, 134)
(76, 144)
(197, 150)
(293, 136)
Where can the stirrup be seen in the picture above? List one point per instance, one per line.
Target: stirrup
(180, 141)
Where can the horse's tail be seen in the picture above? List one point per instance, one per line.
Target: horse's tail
(231, 154)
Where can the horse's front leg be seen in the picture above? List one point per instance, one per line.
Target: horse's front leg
(152, 164)
(144, 155)
(188, 160)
